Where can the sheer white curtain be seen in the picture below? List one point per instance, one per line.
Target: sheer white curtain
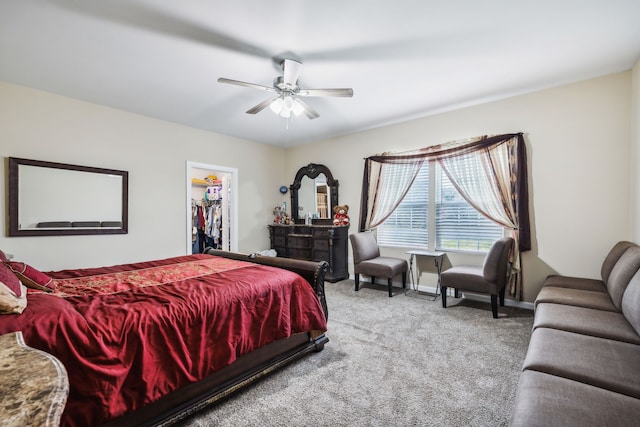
(474, 176)
(486, 179)
(390, 183)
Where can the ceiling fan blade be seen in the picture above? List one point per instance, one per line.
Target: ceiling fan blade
(308, 111)
(245, 84)
(160, 20)
(326, 92)
(291, 71)
(262, 105)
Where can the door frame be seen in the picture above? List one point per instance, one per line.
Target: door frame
(233, 205)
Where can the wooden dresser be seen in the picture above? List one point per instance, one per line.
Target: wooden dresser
(314, 243)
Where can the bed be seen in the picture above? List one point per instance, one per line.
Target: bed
(150, 343)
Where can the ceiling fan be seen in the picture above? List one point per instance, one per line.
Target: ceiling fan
(287, 101)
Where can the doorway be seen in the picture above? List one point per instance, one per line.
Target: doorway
(216, 187)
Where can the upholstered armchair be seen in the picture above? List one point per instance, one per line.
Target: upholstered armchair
(367, 261)
(490, 278)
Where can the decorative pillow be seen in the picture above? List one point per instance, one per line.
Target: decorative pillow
(9, 280)
(13, 299)
(31, 277)
(10, 303)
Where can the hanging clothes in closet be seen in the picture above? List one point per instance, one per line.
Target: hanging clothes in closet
(207, 221)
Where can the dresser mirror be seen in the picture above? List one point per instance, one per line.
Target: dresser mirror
(314, 192)
(57, 199)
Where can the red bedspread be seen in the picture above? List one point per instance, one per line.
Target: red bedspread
(130, 334)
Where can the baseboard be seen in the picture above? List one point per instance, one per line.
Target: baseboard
(509, 302)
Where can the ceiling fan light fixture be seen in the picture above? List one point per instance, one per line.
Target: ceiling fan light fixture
(285, 106)
(296, 108)
(277, 106)
(285, 113)
(288, 95)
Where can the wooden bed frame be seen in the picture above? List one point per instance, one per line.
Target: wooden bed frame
(246, 369)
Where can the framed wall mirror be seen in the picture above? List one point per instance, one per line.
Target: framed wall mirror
(314, 192)
(58, 199)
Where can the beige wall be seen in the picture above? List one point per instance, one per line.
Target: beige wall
(635, 154)
(578, 146)
(578, 139)
(43, 126)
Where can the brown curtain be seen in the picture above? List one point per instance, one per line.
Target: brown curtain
(490, 172)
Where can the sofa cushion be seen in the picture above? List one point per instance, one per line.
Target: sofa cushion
(631, 303)
(576, 283)
(600, 362)
(592, 284)
(544, 400)
(586, 321)
(621, 274)
(612, 258)
(577, 297)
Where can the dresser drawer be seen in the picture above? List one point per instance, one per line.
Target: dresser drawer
(299, 253)
(323, 232)
(320, 244)
(279, 240)
(299, 241)
(279, 231)
(301, 229)
(321, 256)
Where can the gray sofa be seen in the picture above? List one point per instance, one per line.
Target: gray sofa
(582, 366)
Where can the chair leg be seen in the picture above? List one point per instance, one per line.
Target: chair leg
(389, 286)
(404, 280)
(494, 305)
(502, 297)
(456, 293)
(443, 294)
(357, 282)
(373, 279)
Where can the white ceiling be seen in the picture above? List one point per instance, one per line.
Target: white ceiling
(403, 58)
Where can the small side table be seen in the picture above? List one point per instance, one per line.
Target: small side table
(33, 384)
(438, 258)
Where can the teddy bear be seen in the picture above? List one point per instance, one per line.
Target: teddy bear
(340, 216)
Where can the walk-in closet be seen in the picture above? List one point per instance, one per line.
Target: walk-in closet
(211, 208)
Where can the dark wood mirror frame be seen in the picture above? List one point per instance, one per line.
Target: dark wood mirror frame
(120, 227)
(312, 171)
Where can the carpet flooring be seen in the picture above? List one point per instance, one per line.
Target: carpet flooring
(401, 361)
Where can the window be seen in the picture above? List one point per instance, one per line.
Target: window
(408, 225)
(459, 226)
(454, 223)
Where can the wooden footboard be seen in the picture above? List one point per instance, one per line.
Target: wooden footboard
(243, 372)
(313, 272)
(247, 368)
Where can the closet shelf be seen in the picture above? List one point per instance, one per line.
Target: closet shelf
(205, 184)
